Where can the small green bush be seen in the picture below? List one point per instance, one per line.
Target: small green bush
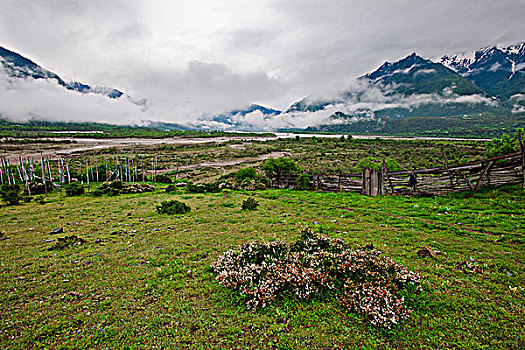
(74, 189)
(113, 192)
(117, 184)
(98, 192)
(27, 199)
(163, 179)
(40, 199)
(64, 242)
(374, 163)
(246, 173)
(38, 188)
(173, 207)
(504, 145)
(10, 194)
(250, 204)
(171, 188)
(203, 187)
(303, 183)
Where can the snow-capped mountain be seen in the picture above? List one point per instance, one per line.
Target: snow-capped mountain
(412, 86)
(466, 62)
(500, 71)
(18, 66)
(417, 75)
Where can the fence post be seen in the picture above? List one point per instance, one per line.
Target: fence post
(43, 172)
(448, 170)
(382, 179)
(374, 182)
(522, 157)
(68, 173)
(485, 170)
(366, 190)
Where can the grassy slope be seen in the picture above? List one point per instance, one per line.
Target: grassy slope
(148, 283)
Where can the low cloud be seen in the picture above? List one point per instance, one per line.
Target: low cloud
(22, 100)
(359, 100)
(201, 90)
(175, 96)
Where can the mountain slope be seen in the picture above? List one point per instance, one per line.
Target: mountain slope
(500, 71)
(18, 66)
(416, 75)
(21, 67)
(413, 86)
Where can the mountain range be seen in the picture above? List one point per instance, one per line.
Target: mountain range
(473, 92)
(485, 87)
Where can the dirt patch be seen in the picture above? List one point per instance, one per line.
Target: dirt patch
(226, 163)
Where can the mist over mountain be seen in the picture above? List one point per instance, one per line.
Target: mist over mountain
(411, 86)
(489, 82)
(251, 118)
(20, 67)
(486, 82)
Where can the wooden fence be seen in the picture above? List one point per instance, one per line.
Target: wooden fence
(496, 171)
(67, 170)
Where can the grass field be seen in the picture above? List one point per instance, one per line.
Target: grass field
(147, 283)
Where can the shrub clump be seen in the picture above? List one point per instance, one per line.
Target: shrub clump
(362, 280)
(39, 188)
(213, 187)
(303, 183)
(250, 204)
(10, 194)
(505, 145)
(163, 179)
(173, 207)
(74, 189)
(40, 199)
(64, 242)
(117, 187)
(171, 188)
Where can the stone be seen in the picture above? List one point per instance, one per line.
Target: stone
(423, 252)
(57, 231)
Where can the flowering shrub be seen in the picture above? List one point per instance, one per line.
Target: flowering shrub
(364, 281)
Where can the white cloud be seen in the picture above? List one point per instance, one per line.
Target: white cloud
(192, 58)
(23, 100)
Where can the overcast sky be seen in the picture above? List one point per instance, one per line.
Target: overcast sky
(189, 57)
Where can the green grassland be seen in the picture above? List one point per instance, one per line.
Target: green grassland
(147, 283)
